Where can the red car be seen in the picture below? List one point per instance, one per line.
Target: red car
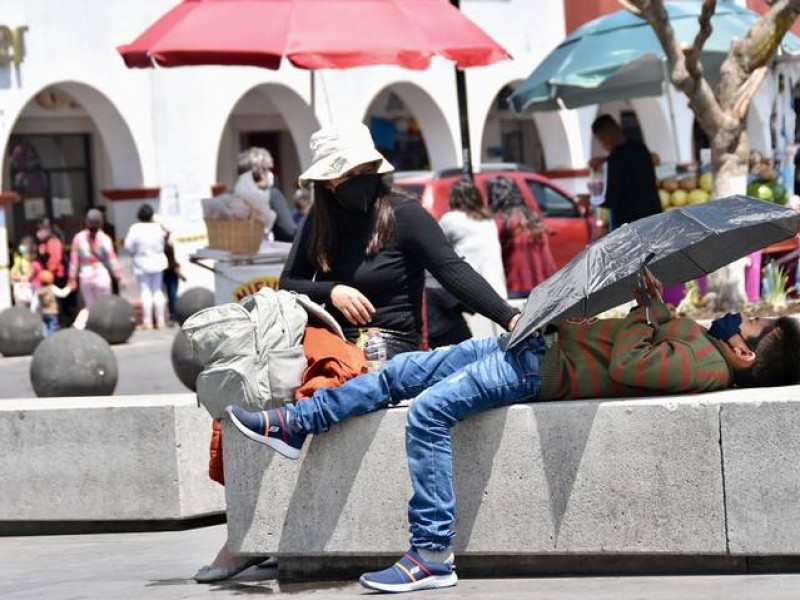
(568, 222)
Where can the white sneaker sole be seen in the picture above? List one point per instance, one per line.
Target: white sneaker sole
(429, 583)
(279, 446)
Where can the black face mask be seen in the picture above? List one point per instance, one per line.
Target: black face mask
(358, 193)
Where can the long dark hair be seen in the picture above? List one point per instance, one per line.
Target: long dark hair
(464, 196)
(329, 224)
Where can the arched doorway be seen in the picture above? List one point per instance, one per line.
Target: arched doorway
(510, 137)
(410, 130)
(274, 117)
(68, 143)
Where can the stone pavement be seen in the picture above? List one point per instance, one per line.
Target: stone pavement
(145, 367)
(159, 566)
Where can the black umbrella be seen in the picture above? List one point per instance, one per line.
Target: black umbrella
(686, 243)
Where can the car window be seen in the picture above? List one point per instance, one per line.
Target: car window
(551, 202)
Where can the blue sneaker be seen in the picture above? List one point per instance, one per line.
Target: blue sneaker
(268, 427)
(411, 573)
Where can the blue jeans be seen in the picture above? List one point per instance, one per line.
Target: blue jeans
(447, 386)
(50, 324)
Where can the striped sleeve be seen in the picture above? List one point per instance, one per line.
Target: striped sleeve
(638, 360)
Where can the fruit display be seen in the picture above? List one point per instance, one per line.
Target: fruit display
(681, 190)
(764, 183)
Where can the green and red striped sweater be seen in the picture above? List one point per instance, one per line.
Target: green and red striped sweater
(612, 358)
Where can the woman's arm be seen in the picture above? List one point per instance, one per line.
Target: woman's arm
(299, 271)
(421, 236)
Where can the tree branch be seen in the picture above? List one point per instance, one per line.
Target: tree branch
(694, 52)
(747, 91)
(692, 84)
(754, 51)
(766, 34)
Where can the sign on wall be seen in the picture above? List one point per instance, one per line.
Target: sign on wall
(12, 44)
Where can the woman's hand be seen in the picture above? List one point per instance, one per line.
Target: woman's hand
(352, 304)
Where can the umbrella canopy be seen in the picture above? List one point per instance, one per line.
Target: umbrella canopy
(312, 34)
(687, 243)
(618, 56)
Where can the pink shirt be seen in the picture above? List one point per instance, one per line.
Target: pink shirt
(93, 259)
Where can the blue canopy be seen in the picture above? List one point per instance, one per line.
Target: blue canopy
(618, 56)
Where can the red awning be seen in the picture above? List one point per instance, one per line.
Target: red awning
(312, 34)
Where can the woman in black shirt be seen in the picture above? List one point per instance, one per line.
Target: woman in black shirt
(363, 249)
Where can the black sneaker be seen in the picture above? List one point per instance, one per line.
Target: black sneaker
(268, 427)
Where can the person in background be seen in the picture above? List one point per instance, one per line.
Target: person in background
(92, 264)
(24, 274)
(145, 242)
(527, 258)
(471, 231)
(51, 251)
(364, 248)
(631, 191)
(302, 204)
(255, 174)
(172, 275)
(48, 294)
(108, 226)
(51, 256)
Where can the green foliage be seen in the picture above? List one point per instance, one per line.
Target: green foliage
(774, 291)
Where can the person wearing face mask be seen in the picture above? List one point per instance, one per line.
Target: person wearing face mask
(256, 176)
(51, 251)
(363, 249)
(92, 264)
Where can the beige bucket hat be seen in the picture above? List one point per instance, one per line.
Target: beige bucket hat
(338, 149)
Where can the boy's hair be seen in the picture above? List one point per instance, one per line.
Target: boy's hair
(604, 123)
(45, 277)
(777, 357)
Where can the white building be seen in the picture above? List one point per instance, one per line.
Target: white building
(78, 128)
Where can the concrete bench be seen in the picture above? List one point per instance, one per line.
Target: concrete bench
(715, 475)
(120, 462)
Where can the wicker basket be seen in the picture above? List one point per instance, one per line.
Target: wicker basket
(235, 235)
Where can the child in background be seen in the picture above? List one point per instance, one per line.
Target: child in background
(25, 273)
(48, 303)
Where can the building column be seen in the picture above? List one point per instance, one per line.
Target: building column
(6, 198)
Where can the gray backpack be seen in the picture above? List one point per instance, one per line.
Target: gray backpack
(252, 351)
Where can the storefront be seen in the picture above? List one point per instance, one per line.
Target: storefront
(52, 177)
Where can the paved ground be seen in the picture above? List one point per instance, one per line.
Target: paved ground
(159, 566)
(146, 353)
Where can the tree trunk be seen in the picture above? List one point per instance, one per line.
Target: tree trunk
(729, 154)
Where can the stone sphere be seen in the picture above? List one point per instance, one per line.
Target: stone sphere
(74, 362)
(113, 319)
(187, 367)
(20, 331)
(192, 300)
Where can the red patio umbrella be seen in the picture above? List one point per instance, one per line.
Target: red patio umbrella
(317, 34)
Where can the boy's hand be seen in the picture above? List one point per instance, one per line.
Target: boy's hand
(650, 285)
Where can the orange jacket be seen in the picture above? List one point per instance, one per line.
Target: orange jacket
(331, 362)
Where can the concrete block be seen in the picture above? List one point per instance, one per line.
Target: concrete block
(648, 480)
(761, 454)
(639, 476)
(140, 458)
